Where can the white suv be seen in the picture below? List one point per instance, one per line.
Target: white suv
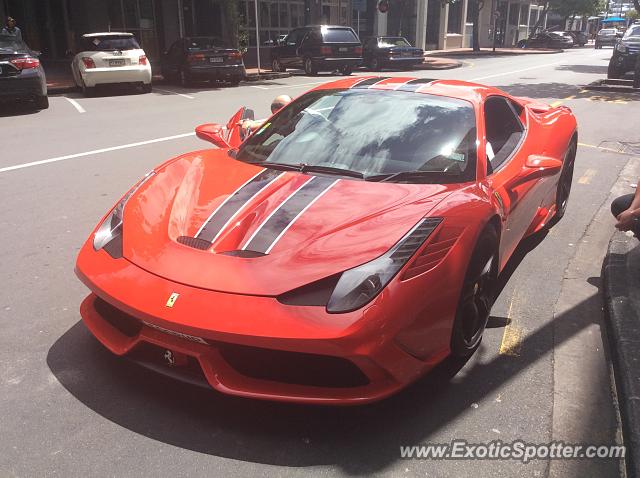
(110, 58)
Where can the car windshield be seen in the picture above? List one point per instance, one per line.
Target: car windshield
(198, 44)
(11, 43)
(371, 134)
(393, 41)
(338, 35)
(633, 32)
(111, 43)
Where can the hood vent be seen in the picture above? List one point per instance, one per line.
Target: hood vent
(194, 242)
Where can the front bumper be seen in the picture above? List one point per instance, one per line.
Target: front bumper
(403, 60)
(126, 74)
(624, 62)
(217, 72)
(607, 41)
(204, 325)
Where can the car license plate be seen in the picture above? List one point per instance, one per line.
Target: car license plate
(116, 62)
(343, 49)
(216, 59)
(406, 53)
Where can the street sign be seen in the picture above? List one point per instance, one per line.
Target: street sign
(359, 5)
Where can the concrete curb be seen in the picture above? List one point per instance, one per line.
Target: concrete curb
(470, 53)
(603, 85)
(56, 89)
(621, 272)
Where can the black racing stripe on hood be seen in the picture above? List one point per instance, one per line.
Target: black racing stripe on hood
(414, 85)
(221, 217)
(288, 212)
(370, 82)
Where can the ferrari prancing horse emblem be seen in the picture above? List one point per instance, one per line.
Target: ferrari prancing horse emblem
(172, 299)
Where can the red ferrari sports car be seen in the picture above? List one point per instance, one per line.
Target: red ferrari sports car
(341, 251)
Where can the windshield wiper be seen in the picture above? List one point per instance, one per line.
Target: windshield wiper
(273, 165)
(309, 168)
(402, 175)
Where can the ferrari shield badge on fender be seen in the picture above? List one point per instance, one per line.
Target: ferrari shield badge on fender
(172, 299)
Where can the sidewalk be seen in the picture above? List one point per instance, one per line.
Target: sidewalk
(60, 79)
(489, 52)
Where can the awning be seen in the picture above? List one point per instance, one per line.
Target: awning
(613, 19)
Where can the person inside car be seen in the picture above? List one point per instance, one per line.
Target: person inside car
(249, 126)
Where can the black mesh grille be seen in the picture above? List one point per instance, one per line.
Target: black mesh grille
(153, 357)
(194, 242)
(293, 367)
(128, 325)
(412, 242)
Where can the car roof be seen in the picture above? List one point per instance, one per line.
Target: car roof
(464, 90)
(107, 34)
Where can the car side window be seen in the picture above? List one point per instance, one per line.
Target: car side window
(504, 131)
(292, 37)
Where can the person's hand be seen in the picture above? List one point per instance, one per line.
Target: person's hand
(626, 220)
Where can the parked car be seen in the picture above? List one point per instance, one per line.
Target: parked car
(21, 74)
(556, 40)
(606, 37)
(625, 53)
(580, 38)
(318, 48)
(339, 253)
(394, 52)
(203, 58)
(109, 58)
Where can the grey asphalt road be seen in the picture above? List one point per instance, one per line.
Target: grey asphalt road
(68, 408)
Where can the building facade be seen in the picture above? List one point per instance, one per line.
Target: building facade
(55, 26)
(432, 25)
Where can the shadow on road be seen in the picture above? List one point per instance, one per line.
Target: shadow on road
(549, 91)
(358, 440)
(17, 108)
(591, 69)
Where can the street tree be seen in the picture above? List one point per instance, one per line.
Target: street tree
(567, 9)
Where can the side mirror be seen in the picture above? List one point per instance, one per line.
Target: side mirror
(543, 165)
(536, 167)
(213, 133)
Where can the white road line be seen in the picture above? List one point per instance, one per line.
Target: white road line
(95, 151)
(517, 71)
(75, 104)
(259, 87)
(175, 93)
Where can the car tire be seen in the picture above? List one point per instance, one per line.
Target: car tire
(374, 64)
(346, 70)
(234, 82)
(277, 66)
(309, 68)
(613, 73)
(563, 190)
(42, 102)
(147, 87)
(183, 78)
(88, 91)
(597, 46)
(478, 293)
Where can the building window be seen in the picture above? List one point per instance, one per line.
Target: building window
(524, 15)
(455, 17)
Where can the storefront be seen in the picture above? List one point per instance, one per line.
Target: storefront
(55, 26)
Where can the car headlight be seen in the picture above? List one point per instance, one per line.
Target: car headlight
(358, 286)
(108, 236)
(622, 48)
